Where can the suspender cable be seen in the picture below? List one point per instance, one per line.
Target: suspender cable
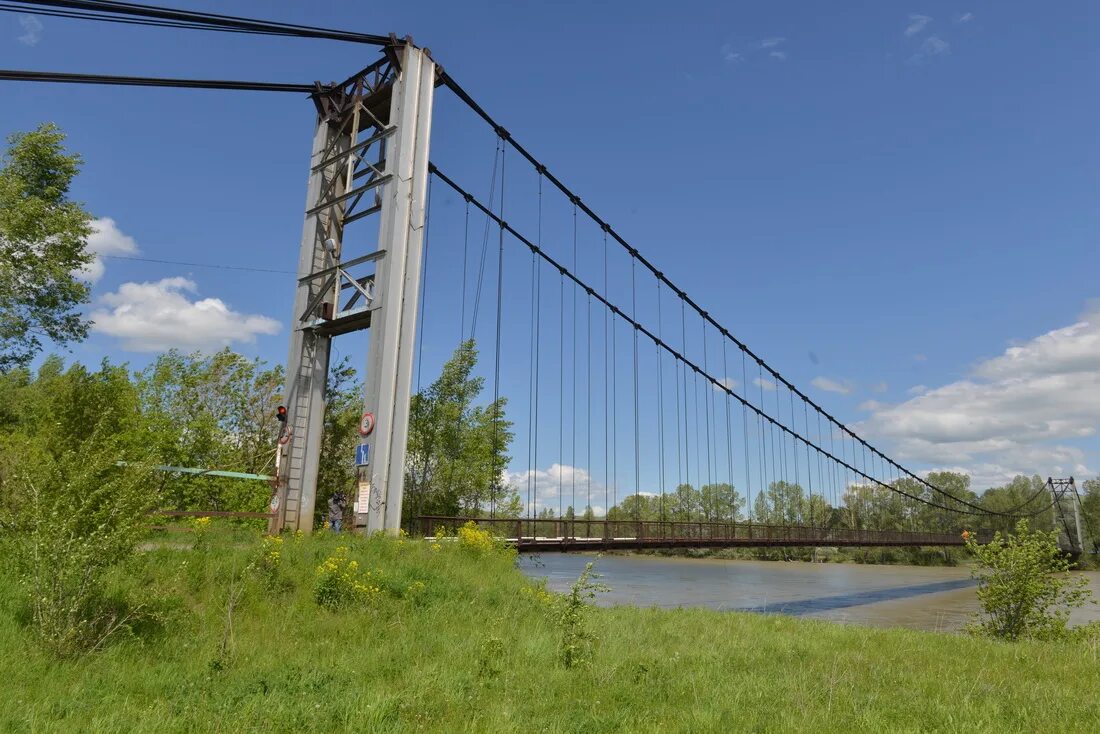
(465, 256)
(661, 402)
(573, 473)
(498, 414)
(637, 434)
(561, 390)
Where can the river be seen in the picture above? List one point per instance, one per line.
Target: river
(918, 597)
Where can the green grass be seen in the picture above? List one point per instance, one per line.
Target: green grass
(474, 652)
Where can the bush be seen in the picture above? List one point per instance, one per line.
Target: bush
(78, 516)
(1023, 586)
(576, 638)
(340, 583)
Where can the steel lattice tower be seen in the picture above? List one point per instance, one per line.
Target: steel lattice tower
(369, 161)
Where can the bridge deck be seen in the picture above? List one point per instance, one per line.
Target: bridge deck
(574, 535)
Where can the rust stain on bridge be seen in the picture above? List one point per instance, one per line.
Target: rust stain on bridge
(576, 535)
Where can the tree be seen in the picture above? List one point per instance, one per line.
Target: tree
(212, 412)
(42, 247)
(457, 451)
(1023, 587)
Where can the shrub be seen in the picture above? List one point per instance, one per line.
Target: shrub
(473, 539)
(340, 583)
(80, 515)
(1023, 586)
(576, 638)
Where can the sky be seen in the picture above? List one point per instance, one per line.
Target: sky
(893, 203)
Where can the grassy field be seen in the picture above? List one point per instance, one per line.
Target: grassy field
(457, 640)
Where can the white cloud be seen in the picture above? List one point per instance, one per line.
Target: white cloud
(917, 24)
(32, 30)
(732, 54)
(920, 358)
(152, 317)
(872, 405)
(559, 480)
(917, 390)
(729, 55)
(829, 385)
(106, 239)
(1013, 415)
(964, 18)
(763, 383)
(880, 387)
(727, 382)
(931, 46)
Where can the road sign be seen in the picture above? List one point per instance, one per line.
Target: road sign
(366, 424)
(362, 454)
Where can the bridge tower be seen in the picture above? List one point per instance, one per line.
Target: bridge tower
(1061, 490)
(369, 162)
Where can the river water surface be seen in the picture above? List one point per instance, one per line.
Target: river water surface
(919, 597)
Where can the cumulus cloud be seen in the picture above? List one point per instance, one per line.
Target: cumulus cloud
(917, 390)
(106, 239)
(558, 481)
(964, 18)
(1014, 412)
(829, 385)
(872, 405)
(880, 387)
(152, 317)
(32, 30)
(916, 24)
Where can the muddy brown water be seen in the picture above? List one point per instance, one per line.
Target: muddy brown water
(917, 597)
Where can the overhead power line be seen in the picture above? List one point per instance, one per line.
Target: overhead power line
(151, 15)
(145, 81)
(200, 265)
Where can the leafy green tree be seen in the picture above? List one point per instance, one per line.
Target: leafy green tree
(1090, 511)
(782, 503)
(212, 412)
(1023, 495)
(1023, 586)
(457, 450)
(72, 511)
(684, 504)
(720, 503)
(42, 246)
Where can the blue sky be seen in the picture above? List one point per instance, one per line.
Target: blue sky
(880, 198)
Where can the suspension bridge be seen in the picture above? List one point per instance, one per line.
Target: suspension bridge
(660, 427)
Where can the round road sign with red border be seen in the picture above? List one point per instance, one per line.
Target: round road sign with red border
(366, 424)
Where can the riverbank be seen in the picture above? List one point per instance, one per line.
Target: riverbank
(457, 639)
(949, 557)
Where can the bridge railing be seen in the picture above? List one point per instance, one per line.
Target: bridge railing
(545, 531)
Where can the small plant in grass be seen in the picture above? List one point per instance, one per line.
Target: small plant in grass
(576, 638)
(339, 583)
(490, 658)
(1024, 587)
(268, 561)
(200, 531)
